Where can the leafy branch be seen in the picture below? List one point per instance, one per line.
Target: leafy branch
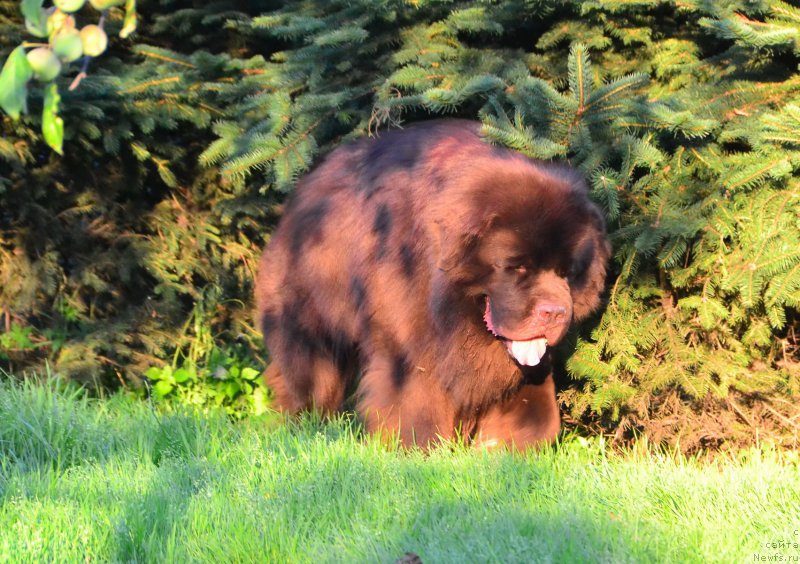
(45, 62)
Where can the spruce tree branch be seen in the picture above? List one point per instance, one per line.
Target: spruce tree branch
(756, 174)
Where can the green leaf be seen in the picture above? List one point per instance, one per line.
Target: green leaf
(154, 373)
(14, 83)
(249, 373)
(129, 23)
(162, 388)
(181, 375)
(35, 17)
(52, 124)
(164, 374)
(232, 388)
(31, 9)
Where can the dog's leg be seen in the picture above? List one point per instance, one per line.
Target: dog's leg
(528, 418)
(399, 398)
(304, 378)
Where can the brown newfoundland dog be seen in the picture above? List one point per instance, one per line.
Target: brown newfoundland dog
(431, 273)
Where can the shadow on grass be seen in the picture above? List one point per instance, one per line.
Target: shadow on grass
(457, 506)
(465, 532)
(153, 512)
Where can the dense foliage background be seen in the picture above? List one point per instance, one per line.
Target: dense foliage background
(133, 254)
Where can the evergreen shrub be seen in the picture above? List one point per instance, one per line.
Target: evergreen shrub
(184, 138)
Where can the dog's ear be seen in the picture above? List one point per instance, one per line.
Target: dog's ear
(587, 292)
(455, 238)
(450, 248)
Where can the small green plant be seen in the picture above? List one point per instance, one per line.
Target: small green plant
(206, 375)
(225, 381)
(17, 338)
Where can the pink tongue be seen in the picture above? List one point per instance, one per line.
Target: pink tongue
(527, 353)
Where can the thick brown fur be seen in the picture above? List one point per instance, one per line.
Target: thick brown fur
(387, 259)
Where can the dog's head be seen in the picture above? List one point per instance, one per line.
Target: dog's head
(533, 248)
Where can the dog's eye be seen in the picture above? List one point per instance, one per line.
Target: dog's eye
(516, 268)
(510, 266)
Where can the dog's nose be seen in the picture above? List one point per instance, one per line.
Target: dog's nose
(551, 313)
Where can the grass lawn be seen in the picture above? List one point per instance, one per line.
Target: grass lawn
(115, 480)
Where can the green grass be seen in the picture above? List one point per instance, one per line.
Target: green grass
(116, 480)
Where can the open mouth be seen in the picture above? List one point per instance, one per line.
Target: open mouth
(527, 353)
